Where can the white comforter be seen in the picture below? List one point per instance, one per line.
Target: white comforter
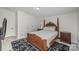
(46, 35)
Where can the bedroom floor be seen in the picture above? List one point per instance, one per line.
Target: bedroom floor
(6, 44)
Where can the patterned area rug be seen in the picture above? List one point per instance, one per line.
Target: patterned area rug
(23, 45)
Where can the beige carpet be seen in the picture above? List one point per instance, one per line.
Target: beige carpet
(6, 43)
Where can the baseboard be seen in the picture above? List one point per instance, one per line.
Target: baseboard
(9, 36)
(21, 38)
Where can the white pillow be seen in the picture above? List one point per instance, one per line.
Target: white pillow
(49, 28)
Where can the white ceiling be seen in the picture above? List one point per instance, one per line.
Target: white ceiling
(45, 11)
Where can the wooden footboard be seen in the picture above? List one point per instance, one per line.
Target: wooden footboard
(37, 41)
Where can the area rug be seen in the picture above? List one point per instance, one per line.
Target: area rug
(23, 45)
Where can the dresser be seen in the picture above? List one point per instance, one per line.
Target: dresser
(65, 37)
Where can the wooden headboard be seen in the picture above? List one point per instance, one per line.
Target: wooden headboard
(49, 24)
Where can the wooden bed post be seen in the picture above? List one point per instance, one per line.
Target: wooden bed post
(44, 23)
(58, 26)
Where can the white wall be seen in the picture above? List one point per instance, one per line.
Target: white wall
(11, 19)
(68, 22)
(78, 25)
(26, 23)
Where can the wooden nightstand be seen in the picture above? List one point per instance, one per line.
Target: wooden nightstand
(39, 29)
(65, 37)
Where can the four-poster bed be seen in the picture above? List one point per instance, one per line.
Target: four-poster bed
(40, 38)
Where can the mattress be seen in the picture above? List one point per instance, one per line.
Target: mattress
(46, 35)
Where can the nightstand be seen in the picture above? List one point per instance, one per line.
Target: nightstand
(65, 37)
(39, 29)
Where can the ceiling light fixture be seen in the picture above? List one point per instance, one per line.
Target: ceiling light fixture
(37, 8)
